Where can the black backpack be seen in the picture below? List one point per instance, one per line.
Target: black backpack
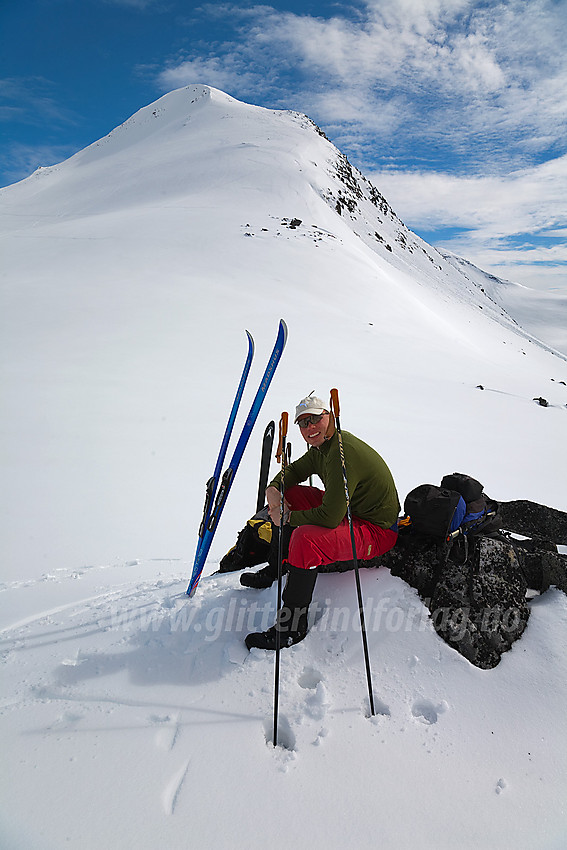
(434, 511)
(252, 544)
(458, 506)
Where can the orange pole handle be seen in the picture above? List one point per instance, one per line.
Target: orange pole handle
(335, 402)
(283, 434)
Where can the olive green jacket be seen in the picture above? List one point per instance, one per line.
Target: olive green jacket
(373, 495)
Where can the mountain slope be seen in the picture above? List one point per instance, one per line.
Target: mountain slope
(541, 313)
(132, 716)
(201, 148)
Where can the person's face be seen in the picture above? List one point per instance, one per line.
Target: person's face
(313, 428)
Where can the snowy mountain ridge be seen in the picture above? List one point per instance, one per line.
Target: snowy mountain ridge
(179, 126)
(540, 314)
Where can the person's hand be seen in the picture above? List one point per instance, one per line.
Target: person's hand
(273, 498)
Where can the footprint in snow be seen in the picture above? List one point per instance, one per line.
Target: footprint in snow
(68, 720)
(427, 712)
(167, 730)
(316, 702)
(309, 678)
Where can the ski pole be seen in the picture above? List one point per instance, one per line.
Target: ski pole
(281, 457)
(335, 410)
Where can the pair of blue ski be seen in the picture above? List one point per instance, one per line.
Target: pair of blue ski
(215, 501)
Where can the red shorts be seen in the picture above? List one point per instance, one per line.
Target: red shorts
(313, 545)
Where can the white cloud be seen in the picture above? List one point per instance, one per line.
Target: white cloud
(525, 201)
(465, 73)
(18, 161)
(510, 223)
(30, 101)
(220, 72)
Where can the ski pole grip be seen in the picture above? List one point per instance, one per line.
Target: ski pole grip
(283, 434)
(335, 402)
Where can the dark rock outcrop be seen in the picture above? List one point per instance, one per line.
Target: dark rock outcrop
(534, 520)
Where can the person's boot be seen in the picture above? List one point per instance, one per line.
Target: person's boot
(267, 575)
(291, 620)
(260, 579)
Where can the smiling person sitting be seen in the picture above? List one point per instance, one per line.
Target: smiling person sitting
(315, 520)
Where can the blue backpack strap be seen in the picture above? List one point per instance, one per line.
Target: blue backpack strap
(458, 515)
(474, 516)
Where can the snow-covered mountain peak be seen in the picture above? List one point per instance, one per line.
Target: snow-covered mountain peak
(197, 148)
(196, 136)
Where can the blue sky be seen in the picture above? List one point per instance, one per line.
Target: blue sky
(456, 109)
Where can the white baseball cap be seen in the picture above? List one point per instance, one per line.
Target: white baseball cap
(311, 404)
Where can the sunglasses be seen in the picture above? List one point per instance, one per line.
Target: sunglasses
(313, 419)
